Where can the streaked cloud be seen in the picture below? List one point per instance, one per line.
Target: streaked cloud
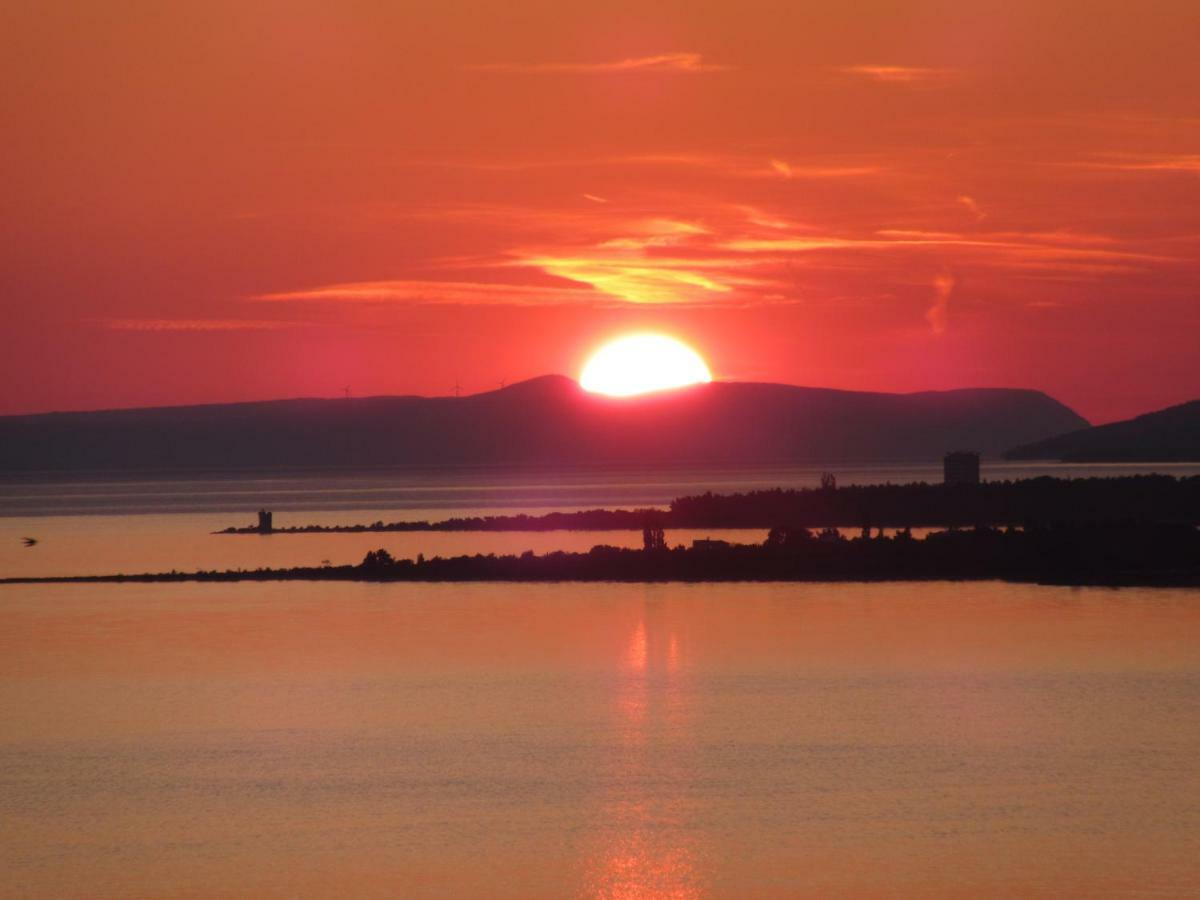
(782, 168)
(429, 291)
(119, 324)
(686, 63)
(635, 281)
(938, 315)
(727, 165)
(705, 253)
(898, 74)
(1188, 163)
(745, 166)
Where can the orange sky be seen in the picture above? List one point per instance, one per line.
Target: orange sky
(221, 201)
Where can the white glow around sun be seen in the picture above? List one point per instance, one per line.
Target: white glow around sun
(640, 363)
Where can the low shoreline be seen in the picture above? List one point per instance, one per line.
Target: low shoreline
(1133, 581)
(1117, 554)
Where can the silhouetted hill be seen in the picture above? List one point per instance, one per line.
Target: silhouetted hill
(548, 421)
(1169, 435)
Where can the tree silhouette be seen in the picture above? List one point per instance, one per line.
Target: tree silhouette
(653, 538)
(377, 560)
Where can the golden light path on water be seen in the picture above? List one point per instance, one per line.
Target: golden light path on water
(638, 857)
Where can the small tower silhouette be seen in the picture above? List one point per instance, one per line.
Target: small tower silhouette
(265, 525)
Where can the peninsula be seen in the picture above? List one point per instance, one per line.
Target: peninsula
(1119, 553)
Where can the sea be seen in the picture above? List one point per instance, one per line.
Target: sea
(293, 739)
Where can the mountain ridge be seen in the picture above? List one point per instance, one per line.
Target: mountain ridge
(563, 382)
(546, 420)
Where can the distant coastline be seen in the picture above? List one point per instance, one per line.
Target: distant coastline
(1026, 501)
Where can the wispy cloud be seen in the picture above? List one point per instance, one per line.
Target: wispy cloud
(718, 164)
(971, 206)
(742, 166)
(636, 280)
(197, 324)
(426, 291)
(782, 168)
(998, 250)
(938, 315)
(686, 63)
(898, 74)
(672, 251)
(1189, 163)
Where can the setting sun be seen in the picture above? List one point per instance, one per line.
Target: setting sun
(640, 363)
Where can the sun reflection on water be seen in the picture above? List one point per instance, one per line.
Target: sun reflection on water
(645, 846)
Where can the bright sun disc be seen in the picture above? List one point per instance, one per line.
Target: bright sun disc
(641, 363)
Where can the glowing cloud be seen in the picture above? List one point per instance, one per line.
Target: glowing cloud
(1189, 164)
(938, 315)
(972, 207)
(435, 292)
(634, 281)
(897, 74)
(719, 254)
(196, 324)
(688, 63)
(781, 167)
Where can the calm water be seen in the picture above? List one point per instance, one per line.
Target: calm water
(566, 740)
(599, 740)
(416, 493)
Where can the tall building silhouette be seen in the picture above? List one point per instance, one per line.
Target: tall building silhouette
(960, 467)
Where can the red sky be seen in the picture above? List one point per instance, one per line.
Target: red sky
(223, 201)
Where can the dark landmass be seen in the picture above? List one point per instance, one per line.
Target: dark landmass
(583, 520)
(1093, 554)
(545, 421)
(1169, 435)
(1155, 498)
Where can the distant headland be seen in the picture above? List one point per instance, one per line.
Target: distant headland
(1169, 435)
